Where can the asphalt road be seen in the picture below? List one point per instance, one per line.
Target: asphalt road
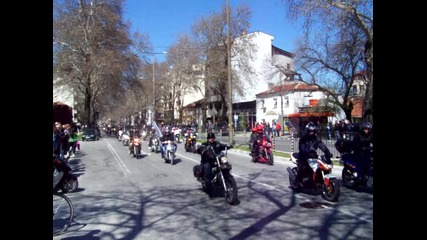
(121, 197)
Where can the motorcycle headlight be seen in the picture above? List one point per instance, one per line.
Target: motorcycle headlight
(224, 159)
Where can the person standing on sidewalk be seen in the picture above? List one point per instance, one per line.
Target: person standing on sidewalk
(329, 131)
(278, 129)
(72, 141)
(273, 128)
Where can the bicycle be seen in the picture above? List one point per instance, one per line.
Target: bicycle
(63, 213)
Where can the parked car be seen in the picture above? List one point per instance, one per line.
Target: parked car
(90, 134)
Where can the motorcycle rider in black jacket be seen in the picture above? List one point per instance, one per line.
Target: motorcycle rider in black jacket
(361, 146)
(208, 158)
(308, 145)
(167, 135)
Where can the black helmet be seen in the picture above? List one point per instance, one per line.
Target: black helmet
(211, 135)
(366, 125)
(310, 127)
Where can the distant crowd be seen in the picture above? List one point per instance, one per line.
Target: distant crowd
(65, 140)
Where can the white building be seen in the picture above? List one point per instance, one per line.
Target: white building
(295, 95)
(264, 57)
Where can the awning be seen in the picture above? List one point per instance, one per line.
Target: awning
(271, 112)
(312, 114)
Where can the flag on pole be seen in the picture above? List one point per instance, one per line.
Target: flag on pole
(155, 127)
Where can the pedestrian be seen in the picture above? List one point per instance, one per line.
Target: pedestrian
(72, 141)
(267, 129)
(337, 130)
(278, 129)
(273, 128)
(329, 131)
(319, 129)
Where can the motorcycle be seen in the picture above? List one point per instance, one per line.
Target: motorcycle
(265, 155)
(63, 178)
(144, 135)
(125, 138)
(349, 175)
(190, 142)
(318, 177)
(177, 134)
(351, 167)
(155, 144)
(222, 177)
(170, 151)
(119, 135)
(135, 148)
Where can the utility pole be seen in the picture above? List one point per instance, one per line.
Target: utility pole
(154, 96)
(153, 117)
(230, 98)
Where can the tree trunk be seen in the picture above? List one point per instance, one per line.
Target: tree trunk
(368, 113)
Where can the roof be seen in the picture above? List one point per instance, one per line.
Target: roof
(357, 107)
(312, 114)
(194, 104)
(291, 86)
(276, 50)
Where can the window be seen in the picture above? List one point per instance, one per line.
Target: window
(275, 103)
(286, 102)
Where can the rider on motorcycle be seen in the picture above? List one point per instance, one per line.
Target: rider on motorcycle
(258, 137)
(133, 133)
(166, 136)
(361, 146)
(308, 145)
(152, 135)
(187, 136)
(208, 158)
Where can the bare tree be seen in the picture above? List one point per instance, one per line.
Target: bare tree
(340, 19)
(92, 52)
(211, 36)
(184, 59)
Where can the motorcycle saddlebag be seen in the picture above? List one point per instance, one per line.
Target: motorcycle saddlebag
(197, 171)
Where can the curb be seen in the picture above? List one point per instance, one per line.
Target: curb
(245, 153)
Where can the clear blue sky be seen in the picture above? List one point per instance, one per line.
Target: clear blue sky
(164, 20)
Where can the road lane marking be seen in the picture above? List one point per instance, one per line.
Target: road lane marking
(119, 161)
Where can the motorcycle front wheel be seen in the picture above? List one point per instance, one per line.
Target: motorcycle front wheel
(348, 178)
(230, 193)
(293, 182)
(332, 192)
(270, 158)
(171, 157)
